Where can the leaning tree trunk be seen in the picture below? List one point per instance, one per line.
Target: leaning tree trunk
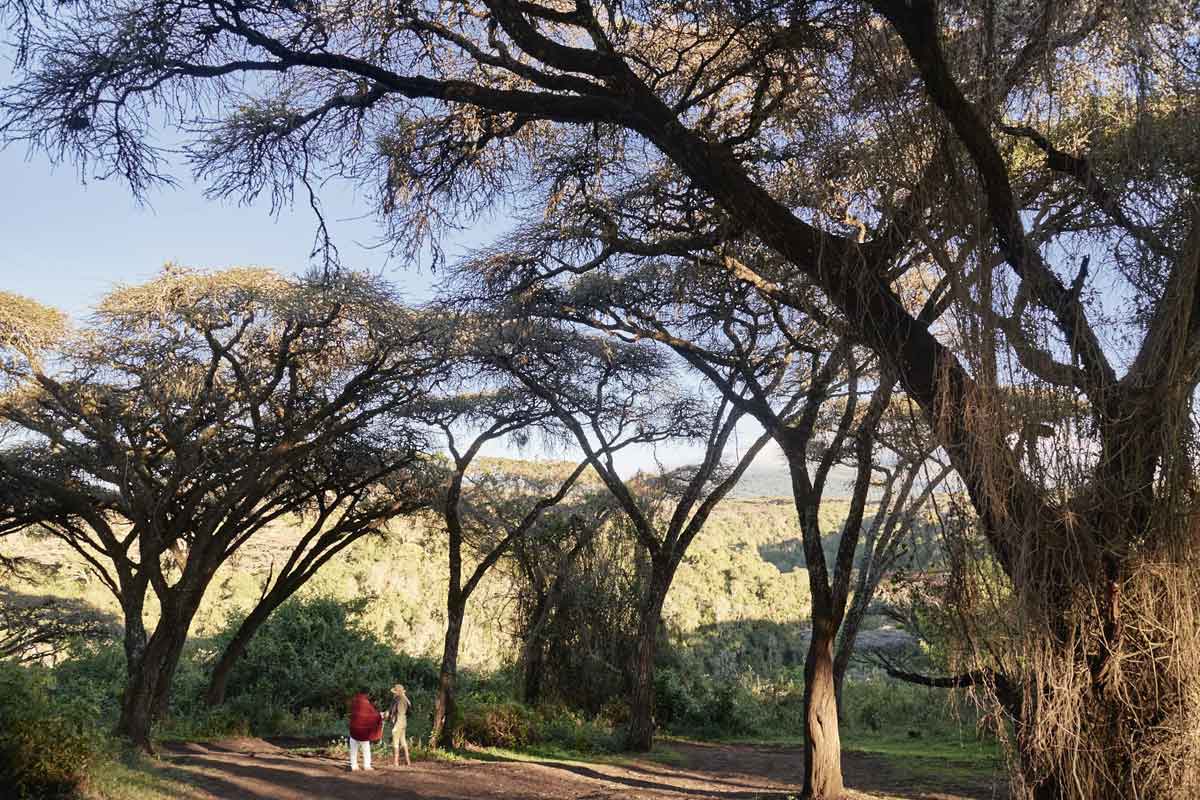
(822, 742)
(845, 648)
(444, 707)
(639, 738)
(218, 682)
(850, 627)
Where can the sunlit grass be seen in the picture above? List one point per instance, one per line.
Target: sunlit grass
(552, 753)
(135, 777)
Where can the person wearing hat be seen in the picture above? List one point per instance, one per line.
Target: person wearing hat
(366, 726)
(397, 715)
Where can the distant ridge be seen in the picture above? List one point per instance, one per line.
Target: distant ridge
(776, 481)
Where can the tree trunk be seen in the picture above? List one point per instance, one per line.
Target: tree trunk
(444, 708)
(533, 653)
(841, 661)
(219, 680)
(640, 736)
(535, 662)
(849, 633)
(149, 672)
(822, 744)
(533, 656)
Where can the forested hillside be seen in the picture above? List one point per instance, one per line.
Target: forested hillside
(746, 566)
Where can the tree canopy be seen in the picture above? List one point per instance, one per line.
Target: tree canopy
(193, 411)
(1035, 159)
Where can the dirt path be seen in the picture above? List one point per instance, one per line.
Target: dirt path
(255, 770)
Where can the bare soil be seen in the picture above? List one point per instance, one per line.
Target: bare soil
(254, 769)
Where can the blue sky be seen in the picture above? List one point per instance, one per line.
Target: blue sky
(65, 242)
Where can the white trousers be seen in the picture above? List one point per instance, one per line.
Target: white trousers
(355, 746)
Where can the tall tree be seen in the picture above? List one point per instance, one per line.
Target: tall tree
(1062, 129)
(488, 506)
(193, 411)
(804, 387)
(580, 379)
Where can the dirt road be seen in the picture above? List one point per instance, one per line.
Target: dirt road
(256, 770)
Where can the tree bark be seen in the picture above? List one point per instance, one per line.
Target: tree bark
(444, 707)
(845, 649)
(219, 680)
(535, 666)
(533, 654)
(150, 668)
(822, 743)
(639, 738)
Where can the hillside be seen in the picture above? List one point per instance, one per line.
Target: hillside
(744, 566)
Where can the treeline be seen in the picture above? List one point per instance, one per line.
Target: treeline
(400, 577)
(194, 413)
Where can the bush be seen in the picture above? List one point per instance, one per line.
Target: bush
(303, 664)
(293, 680)
(46, 749)
(567, 728)
(877, 704)
(494, 724)
(486, 719)
(92, 680)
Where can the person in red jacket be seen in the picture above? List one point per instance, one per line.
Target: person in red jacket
(366, 726)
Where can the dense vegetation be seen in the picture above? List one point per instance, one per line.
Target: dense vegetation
(897, 235)
(731, 668)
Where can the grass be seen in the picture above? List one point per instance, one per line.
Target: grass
(557, 754)
(946, 747)
(135, 777)
(933, 757)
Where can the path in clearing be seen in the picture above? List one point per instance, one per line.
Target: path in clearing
(252, 769)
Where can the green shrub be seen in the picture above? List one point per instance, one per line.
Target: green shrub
(494, 724)
(675, 703)
(303, 664)
(569, 729)
(877, 704)
(46, 749)
(486, 718)
(92, 680)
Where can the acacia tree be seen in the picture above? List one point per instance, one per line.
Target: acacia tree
(488, 506)
(193, 411)
(803, 386)
(544, 563)
(600, 389)
(1056, 129)
(370, 489)
(485, 508)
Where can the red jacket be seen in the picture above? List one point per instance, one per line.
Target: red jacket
(366, 724)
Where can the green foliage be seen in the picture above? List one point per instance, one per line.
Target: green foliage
(308, 658)
(698, 705)
(729, 664)
(46, 747)
(875, 704)
(487, 719)
(295, 677)
(309, 653)
(494, 724)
